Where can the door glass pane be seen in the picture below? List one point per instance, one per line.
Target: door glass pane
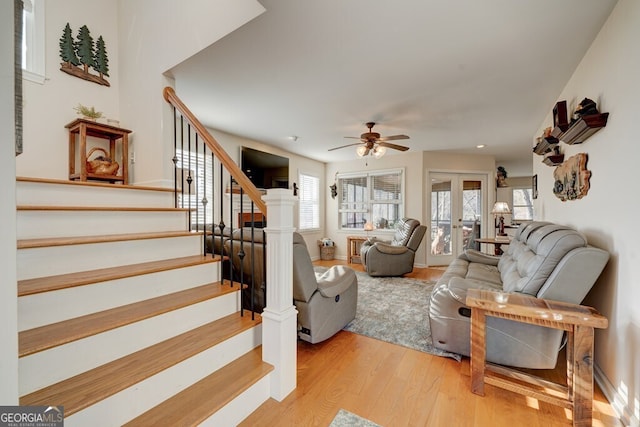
(440, 217)
(471, 210)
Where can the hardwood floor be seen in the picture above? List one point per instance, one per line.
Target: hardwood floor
(396, 386)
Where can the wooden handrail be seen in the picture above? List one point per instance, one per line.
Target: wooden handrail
(231, 166)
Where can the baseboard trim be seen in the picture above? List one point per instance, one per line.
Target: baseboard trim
(618, 402)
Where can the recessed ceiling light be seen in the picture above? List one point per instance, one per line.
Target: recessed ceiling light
(480, 146)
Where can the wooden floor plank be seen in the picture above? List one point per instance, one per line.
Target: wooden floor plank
(69, 280)
(90, 387)
(45, 337)
(197, 403)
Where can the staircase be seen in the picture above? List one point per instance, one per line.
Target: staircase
(121, 318)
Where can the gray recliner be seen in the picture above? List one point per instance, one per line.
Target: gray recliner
(396, 257)
(544, 260)
(326, 299)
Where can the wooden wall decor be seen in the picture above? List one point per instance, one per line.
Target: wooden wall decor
(80, 55)
(572, 178)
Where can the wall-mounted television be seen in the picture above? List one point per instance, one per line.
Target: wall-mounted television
(265, 170)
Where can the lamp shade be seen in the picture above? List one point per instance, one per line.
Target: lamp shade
(379, 152)
(501, 208)
(361, 150)
(368, 226)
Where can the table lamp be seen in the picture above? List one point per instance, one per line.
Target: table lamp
(499, 210)
(368, 226)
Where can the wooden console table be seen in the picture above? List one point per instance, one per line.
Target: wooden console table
(82, 128)
(353, 249)
(577, 320)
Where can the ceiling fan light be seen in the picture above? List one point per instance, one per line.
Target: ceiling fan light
(379, 152)
(361, 150)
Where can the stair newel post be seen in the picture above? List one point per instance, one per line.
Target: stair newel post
(279, 318)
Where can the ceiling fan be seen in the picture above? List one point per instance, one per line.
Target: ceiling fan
(372, 142)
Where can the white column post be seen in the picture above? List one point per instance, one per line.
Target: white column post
(279, 318)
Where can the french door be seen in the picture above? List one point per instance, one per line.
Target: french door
(457, 203)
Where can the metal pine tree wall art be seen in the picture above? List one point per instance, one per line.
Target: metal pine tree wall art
(81, 55)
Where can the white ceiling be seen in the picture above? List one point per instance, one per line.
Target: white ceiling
(451, 74)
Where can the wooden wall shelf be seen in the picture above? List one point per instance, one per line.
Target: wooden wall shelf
(553, 160)
(583, 128)
(545, 145)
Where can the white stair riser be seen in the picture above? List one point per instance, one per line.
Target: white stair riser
(46, 223)
(51, 261)
(55, 306)
(129, 403)
(242, 406)
(50, 366)
(51, 194)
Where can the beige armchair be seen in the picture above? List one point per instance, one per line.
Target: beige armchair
(326, 299)
(396, 257)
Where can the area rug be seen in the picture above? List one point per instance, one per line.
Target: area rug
(395, 310)
(347, 419)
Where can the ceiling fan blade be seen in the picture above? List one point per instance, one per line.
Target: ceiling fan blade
(393, 146)
(344, 146)
(353, 137)
(393, 137)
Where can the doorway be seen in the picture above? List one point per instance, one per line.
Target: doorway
(457, 205)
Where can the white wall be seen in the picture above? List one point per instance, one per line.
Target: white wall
(8, 297)
(156, 35)
(607, 215)
(144, 38)
(49, 107)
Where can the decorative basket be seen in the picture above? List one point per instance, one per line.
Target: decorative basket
(327, 253)
(101, 165)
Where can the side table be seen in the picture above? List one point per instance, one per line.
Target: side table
(80, 129)
(577, 320)
(497, 243)
(353, 248)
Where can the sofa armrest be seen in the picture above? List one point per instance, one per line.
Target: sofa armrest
(390, 249)
(336, 280)
(473, 255)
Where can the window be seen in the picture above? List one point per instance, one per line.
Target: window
(309, 206)
(522, 204)
(376, 197)
(192, 164)
(33, 49)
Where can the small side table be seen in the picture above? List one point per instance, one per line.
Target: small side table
(577, 320)
(82, 128)
(497, 243)
(353, 249)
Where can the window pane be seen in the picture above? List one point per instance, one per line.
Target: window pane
(309, 210)
(371, 197)
(522, 204)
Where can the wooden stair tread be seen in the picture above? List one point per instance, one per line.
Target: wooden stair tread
(100, 208)
(69, 280)
(48, 336)
(198, 402)
(93, 184)
(90, 387)
(82, 240)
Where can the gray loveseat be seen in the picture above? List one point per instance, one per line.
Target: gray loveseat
(544, 260)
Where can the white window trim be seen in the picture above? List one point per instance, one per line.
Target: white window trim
(314, 229)
(33, 67)
(520, 187)
(368, 174)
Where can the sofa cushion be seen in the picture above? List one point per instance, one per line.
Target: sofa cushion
(534, 262)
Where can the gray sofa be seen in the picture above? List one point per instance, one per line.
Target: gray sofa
(544, 260)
